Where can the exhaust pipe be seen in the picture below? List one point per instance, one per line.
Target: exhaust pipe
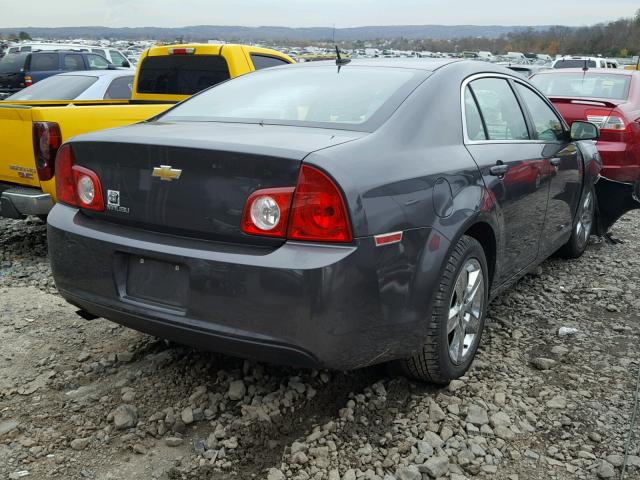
(86, 315)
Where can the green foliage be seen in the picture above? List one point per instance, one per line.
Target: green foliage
(24, 36)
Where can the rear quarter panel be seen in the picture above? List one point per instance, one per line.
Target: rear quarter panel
(17, 163)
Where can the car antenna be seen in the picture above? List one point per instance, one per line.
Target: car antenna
(339, 60)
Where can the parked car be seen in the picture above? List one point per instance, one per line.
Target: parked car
(31, 132)
(321, 216)
(526, 70)
(82, 85)
(112, 55)
(20, 70)
(611, 100)
(584, 62)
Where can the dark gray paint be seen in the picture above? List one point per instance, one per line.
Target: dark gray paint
(342, 306)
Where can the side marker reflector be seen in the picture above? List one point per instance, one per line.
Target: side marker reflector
(388, 238)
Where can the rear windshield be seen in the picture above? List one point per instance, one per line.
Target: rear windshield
(314, 95)
(181, 74)
(574, 64)
(12, 62)
(580, 85)
(60, 87)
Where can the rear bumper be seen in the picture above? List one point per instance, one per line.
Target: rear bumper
(18, 202)
(341, 307)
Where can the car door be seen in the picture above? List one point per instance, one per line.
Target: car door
(565, 168)
(498, 137)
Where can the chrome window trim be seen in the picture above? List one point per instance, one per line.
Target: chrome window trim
(465, 135)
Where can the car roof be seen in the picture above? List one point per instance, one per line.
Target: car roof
(426, 64)
(98, 73)
(595, 71)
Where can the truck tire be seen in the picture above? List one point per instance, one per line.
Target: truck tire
(457, 318)
(582, 226)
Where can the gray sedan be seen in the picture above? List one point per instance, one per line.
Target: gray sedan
(80, 85)
(323, 214)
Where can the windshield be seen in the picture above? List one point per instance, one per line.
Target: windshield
(579, 85)
(318, 95)
(577, 63)
(12, 62)
(60, 87)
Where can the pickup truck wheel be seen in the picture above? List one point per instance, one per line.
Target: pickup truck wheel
(582, 227)
(43, 218)
(456, 321)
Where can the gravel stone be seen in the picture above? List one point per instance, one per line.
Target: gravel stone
(125, 416)
(477, 415)
(237, 390)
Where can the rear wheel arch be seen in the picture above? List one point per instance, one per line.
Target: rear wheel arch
(483, 232)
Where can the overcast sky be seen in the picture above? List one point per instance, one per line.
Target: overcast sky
(302, 13)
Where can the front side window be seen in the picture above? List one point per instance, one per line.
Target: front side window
(500, 109)
(73, 62)
(44, 62)
(548, 126)
(97, 62)
(323, 95)
(117, 58)
(265, 61)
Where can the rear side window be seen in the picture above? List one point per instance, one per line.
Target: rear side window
(120, 89)
(265, 61)
(13, 62)
(43, 62)
(475, 128)
(58, 87)
(73, 62)
(547, 125)
(181, 74)
(500, 109)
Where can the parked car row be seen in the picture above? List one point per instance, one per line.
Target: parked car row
(325, 191)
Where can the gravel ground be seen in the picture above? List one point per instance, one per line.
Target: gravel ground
(94, 400)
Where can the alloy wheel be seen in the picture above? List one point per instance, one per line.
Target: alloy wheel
(585, 219)
(465, 311)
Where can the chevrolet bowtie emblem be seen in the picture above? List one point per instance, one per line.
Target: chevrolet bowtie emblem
(166, 173)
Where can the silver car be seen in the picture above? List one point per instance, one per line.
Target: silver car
(80, 85)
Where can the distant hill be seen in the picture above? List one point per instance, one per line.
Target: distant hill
(207, 32)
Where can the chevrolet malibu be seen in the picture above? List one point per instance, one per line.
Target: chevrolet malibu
(326, 214)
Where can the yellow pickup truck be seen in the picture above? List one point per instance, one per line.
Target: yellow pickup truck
(31, 132)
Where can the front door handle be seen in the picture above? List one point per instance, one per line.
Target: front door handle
(499, 170)
(555, 162)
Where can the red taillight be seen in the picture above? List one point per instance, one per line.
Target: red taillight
(182, 51)
(75, 185)
(318, 211)
(313, 211)
(267, 212)
(28, 81)
(47, 139)
(607, 120)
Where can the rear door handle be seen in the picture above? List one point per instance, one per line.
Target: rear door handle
(555, 162)
(499, 170)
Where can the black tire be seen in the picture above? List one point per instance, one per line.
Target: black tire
(582, 226)
(434, 363)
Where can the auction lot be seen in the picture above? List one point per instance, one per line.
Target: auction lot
(83, 399)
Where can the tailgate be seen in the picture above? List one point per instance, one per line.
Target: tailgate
(17, 162)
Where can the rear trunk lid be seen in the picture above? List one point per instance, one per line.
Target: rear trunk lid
(573, 109)
(210, 170)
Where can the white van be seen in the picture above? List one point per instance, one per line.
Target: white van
(585, 62)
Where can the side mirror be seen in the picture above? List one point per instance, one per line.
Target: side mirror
(126, 64)
(111, 66)
(584, 131)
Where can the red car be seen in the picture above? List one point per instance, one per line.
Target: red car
(610, 99)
